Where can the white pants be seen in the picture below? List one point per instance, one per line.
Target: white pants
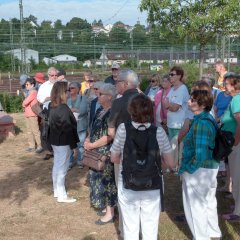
(60, 167)
(234, 168)
(200, 204)
(139, 207)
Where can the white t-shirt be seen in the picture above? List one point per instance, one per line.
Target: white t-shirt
(179, 96)
(45, 91)
(120, 138)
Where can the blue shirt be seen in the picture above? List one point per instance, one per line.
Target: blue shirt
(222, 101)
(198, 145)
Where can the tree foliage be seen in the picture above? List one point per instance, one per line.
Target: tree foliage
(200, 20)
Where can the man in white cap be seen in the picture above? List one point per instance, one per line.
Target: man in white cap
(115, 71)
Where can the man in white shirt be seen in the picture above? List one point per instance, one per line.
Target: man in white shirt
(45, 89)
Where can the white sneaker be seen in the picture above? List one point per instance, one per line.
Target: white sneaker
(67, 200)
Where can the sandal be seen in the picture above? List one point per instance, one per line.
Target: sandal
(231, 217)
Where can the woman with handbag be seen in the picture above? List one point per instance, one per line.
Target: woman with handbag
(63, 138)
(34, 142)
(103, 191)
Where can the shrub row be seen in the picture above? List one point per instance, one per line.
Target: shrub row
(11, 104)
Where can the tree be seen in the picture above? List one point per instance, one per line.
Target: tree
(78, 24)
(139, 35)
(200, 19)
(118, 34)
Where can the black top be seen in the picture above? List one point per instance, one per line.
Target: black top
(110, 80)
(119, 113)
(63, 127)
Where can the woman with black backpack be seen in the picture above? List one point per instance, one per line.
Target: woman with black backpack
(138, 149)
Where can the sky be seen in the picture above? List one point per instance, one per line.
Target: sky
(109, 11)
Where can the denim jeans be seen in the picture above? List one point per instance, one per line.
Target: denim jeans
(82, 136)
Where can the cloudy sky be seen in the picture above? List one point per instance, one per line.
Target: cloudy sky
(110, 11)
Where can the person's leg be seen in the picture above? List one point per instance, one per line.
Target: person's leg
(130, 209)
(120, 224)
(213, 226)
(149, 214)
(35, 131)
(82, 136)
(234, 165)
(31, 141)
(54, 173)
(196, 190)
(61, 160)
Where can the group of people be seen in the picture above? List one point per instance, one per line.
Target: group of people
(93, 116)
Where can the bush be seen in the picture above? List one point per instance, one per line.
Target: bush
(11, 104)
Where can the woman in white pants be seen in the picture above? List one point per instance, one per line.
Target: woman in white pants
(199, 170)
(63, 137)
(140, 208)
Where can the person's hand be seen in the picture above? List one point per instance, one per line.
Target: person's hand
(166, 103)
(88, 145)
(73, 109)
(75, 153)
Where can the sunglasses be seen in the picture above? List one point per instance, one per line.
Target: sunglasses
(172, 74)
(95, 89)
(152, 81)
(90, 81)
(193, 100)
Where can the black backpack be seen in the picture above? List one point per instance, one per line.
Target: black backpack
(141, 160)
(224, 142)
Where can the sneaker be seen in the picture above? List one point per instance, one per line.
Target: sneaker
(67, 200)
(30, 149)
(39, 150)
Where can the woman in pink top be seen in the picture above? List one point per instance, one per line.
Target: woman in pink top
(33, 132)
(160, 112)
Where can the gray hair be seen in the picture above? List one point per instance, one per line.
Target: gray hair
(98, 84)
(130, 77)
(75, 84)
(52, 69)
(109, 89)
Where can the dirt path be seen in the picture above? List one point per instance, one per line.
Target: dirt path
(28, 210)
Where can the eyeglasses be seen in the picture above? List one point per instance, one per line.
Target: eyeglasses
(101, 94)
(95, 89)
(172, 74)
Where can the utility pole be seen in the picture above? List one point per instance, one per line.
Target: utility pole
(94, 45)
(22, 42)
(132, 58)
(12, 50)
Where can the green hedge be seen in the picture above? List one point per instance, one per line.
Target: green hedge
(11, 104)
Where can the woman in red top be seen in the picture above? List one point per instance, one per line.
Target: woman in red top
(33, 133)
